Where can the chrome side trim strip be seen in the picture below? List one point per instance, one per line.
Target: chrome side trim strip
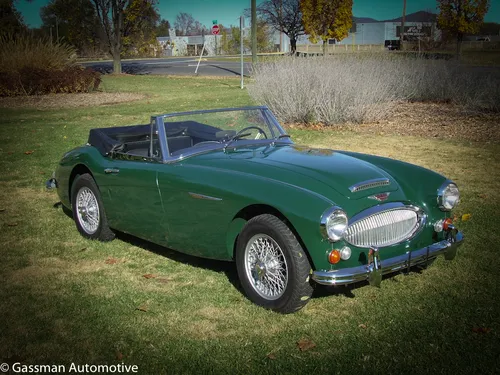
(201, 196)
(369, 184)
(411, 258)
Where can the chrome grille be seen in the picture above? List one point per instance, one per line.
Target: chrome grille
(384, 228)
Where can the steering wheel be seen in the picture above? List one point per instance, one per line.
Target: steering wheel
(240, 133)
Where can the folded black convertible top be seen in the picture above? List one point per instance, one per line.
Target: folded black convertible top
(107, 140)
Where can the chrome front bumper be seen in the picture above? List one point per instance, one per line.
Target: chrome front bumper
(377, 267)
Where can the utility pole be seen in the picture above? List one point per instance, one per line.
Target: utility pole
(254, 31)
(281, 23)
(401, 35)
(241, 49)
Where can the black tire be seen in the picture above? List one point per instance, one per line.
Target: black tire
(98, 229)
(289, 255)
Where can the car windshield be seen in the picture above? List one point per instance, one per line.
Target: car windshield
(192, 131)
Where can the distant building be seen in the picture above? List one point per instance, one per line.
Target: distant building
(370, 31)
(192, 45)
(365, 31)
(379, 32)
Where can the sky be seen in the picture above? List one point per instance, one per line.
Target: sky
(227, 12)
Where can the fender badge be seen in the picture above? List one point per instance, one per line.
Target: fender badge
(380, 197)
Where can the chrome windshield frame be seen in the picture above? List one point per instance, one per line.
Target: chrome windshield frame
(272, 122)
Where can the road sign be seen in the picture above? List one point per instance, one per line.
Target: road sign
(214, 22)
(215, 30)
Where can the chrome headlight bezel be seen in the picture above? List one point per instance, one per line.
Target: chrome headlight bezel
(331, 229)
(446, 191)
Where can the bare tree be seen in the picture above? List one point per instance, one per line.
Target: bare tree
(185, 24)
(110, 14)
(284, 16)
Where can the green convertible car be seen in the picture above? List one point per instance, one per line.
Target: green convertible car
(230, 184)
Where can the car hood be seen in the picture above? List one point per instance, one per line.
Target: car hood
(307, 167)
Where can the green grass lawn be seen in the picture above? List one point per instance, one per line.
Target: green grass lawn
(65, 299)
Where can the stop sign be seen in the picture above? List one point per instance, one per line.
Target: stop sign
(215, 29)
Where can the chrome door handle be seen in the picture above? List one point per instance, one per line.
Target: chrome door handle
(111, 170)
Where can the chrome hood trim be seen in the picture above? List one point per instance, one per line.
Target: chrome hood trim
(369, 184)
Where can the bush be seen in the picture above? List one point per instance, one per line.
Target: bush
(30, 66)
(30, 81)
(24, 51)
(360, 88)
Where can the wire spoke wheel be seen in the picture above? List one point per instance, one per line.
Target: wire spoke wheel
(266, 267)
(87, 210)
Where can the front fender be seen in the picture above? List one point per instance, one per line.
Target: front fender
(80, 158)
(302, 208)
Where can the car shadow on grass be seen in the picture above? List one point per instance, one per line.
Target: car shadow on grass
(229, 268)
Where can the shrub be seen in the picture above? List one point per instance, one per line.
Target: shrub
(30, 81)
(24, 51)
(360, 88)
(30, 66)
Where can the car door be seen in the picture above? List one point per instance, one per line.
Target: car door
(135, 204)
(197, 211)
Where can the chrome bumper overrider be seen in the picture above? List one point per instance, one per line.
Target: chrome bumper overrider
(376, 266)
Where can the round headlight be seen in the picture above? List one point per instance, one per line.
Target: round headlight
(448, 196)
(334, 223)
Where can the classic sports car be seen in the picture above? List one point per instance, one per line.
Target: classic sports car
(230, 184)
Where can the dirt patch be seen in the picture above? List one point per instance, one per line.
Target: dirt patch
(430, 120)
(69, 100)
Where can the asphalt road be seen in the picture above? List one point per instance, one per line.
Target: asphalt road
(174, 66)
(186, 66)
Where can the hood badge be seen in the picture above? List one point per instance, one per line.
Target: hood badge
(380, 197)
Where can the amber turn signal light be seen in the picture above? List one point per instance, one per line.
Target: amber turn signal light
(447, 223)
(334, 257)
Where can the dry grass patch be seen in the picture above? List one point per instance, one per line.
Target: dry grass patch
(53, 101)
(54, 268)
(428, 120)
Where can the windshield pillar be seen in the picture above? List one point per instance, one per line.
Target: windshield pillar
(162, 138)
